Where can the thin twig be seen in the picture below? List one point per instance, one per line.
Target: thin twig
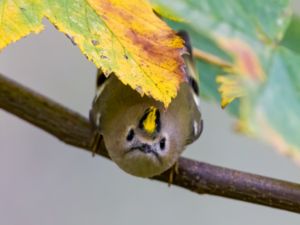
(209, 58)
(198, 177)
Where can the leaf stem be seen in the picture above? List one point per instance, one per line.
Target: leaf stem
(209, 58)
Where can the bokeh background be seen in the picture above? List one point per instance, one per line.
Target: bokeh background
(44, 181)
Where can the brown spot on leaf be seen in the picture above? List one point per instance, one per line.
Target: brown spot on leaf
(115, 10)
(157, 53)
(95, 42)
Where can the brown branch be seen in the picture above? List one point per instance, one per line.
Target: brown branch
(198, 177)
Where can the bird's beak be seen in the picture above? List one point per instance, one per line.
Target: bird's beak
(145, 148)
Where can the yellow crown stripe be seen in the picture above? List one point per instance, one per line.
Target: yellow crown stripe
(149, 123)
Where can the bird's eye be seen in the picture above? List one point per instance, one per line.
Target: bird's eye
(130, 135)
(162, 143)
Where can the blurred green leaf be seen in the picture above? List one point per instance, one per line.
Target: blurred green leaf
(257, 23)
(274, 109)
(258, 38)
(292, 36)
(264, 20)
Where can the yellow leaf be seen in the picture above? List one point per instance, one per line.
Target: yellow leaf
(246, 68)
(121, 37)
(18, 18)
(153, 62)
(230, 88)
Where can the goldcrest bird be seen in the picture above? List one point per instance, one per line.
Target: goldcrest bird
(141, 136)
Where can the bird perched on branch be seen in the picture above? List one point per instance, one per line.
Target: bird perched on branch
(141, 136)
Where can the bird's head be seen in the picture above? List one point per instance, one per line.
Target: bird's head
(144, 141)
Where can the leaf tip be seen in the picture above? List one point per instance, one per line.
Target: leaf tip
(230, 88)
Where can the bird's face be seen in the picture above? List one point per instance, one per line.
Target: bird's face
(147, 143)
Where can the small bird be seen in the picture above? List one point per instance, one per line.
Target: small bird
(141, 136)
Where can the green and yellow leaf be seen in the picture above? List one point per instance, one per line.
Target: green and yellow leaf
(19, 18)
(246, 68)
(231, 87)
(246, 62)
(139, 48)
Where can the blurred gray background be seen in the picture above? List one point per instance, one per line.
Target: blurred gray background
(44, 181)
